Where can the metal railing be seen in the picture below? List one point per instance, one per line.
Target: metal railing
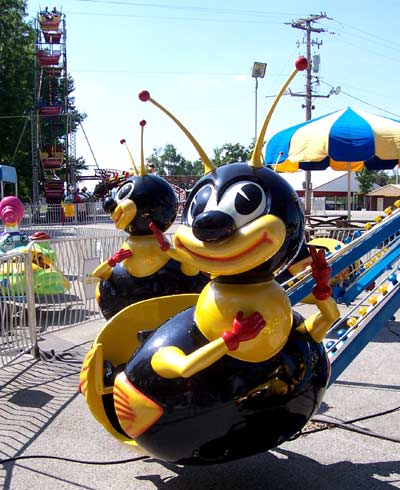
(86, 213)
(17, 325)
(50, 287)
(64, 214)
(329, 232)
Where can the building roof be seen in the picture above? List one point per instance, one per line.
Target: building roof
(325, 181)
(318, 177)
(340, 184)
(8, 174)
(390, 190)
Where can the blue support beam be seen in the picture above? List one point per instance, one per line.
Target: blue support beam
(387, 308)
(381, 232)
(371, 275)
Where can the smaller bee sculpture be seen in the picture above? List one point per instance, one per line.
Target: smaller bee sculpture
(144, 204)
(234, 371)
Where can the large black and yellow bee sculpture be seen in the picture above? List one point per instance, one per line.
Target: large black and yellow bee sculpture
(140, 269)
(231, 372)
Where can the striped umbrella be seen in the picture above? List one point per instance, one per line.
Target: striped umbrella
(348, 139)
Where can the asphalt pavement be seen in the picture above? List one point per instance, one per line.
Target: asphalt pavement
(43, 415)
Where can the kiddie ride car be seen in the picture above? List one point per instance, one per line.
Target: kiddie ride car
(199, 379)
(47, 278)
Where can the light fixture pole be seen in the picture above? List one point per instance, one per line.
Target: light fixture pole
(258, 72)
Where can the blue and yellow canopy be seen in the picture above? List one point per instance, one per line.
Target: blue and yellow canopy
(348, 139)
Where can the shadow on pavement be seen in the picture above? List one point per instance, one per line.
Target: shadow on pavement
(278, 469)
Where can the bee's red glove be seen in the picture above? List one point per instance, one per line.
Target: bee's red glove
(243, 329)
(121, 255)
(321, 273)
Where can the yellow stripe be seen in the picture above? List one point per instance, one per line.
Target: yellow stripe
(387, 135)
(286, 166)
(310, 143)
(345, 166)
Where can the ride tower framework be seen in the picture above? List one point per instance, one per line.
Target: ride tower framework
(51, 118)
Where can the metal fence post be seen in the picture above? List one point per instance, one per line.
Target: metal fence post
(30, 298)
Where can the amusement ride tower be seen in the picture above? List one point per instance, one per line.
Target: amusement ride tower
(53, 143)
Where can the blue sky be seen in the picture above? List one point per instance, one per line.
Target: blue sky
(196, 57)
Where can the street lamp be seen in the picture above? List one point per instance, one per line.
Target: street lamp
(258, 72)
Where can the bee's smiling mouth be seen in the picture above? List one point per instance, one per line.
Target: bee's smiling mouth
(263, 239)
(249, 247)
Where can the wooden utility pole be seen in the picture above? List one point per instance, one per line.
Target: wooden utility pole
(306, 24)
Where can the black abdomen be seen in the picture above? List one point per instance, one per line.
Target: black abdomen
(233, 408)
(122, 289)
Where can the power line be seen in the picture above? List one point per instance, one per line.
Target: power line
(153, 17)
(257, 13)
(370, 37)
(370, 105)
(363, 101)
(365, 49)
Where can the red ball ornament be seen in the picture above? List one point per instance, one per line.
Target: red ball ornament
(301, 63)
(142, 123)
(122, 141)
(144, 96)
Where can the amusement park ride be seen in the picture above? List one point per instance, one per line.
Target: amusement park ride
(52, 140)
(234, 371)
(47, 278)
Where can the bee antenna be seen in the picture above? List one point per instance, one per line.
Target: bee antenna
(256, 161)
(142, 167)
(144, 96)
(135, 170)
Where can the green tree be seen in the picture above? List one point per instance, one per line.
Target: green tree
(366, 180)
(393, 176)
(168, 161)
(197, 168)
(173, 162)
(155, 159)
(53, 131)
(381, 178)
(17, 95)
(16, 90)
(231, 153)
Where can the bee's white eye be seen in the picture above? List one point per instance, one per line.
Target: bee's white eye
(244, 202)
(125, 191)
